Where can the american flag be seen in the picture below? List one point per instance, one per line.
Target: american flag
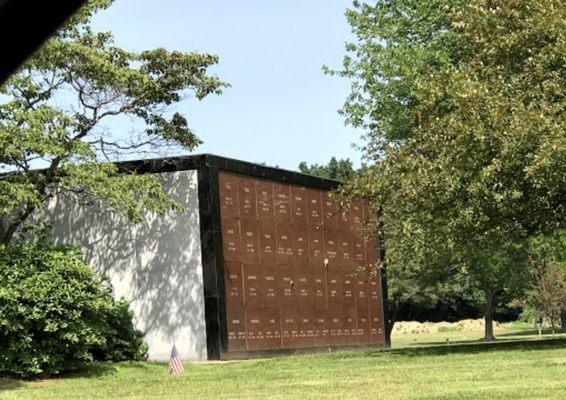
(175, 365)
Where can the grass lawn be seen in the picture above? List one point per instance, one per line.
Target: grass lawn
(420, 366)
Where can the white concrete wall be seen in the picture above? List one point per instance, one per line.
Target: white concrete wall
(155, 264)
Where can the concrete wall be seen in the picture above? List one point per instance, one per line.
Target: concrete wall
(156, 264)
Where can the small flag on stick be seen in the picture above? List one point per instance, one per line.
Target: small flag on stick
(175, 364)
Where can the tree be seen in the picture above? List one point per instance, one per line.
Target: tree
(341, 170)
(463, 102)
(398, 42)
(547, 293)
(409, 291)
(55, 107)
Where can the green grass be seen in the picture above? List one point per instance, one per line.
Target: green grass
(515, 367)
(507, 332)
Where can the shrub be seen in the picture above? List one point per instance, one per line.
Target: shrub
(123, 342)
(57, 313)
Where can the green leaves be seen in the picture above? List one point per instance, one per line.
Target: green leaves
(102, 185)
(56, 313)
(341, 170)
(397, 42)
(464, 108)
(547, 294)
(175, 130)
(54, 115)
(42, 131)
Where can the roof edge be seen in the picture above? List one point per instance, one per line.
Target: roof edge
(226, 164)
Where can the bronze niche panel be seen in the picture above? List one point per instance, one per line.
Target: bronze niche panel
(343, 216)
(236, 327)
(306, 327)
(264, 193)
(282, 203)
(267, 243)
(362, 288)
(294, 268)
(335, 326)
(252, 285)
(231, 239)
(270, 286)
(318, 287)
(289, 329)
(297, 329)
(284, 235)
(359, 250)
(376, 326)
(321, 327)
(349, 326)
(375, 290)
(334, 288)
(301, 246)
(363, 326)
(249, 240)
(263, 328)
(304, 290)
(314, 199)
(355, 213)
(286, 287)
(331, 245)
(316, 246)
(228, 184)
(299, 206)
(247, 203)
(348, 288)
(345, 248)
(272, 327)
(233, 282)
(330, 211)
(375, 298)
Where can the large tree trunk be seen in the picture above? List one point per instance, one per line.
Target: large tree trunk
(488, 315)
(3, 227)
(389, 324)
(11, 223)
(563, 321)
(391, 317)
(7, 234)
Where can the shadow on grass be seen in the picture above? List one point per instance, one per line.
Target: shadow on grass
(91, 370)
(480, 346)
(530, 332)
(8, 383)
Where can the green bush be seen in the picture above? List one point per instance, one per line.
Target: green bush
(56, 313)
(123, 342)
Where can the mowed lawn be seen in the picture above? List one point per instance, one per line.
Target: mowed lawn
(421, 368)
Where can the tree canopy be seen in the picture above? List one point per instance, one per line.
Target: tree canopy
(339, 169)
(546, 295)
(54, 109)
(463, 105)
